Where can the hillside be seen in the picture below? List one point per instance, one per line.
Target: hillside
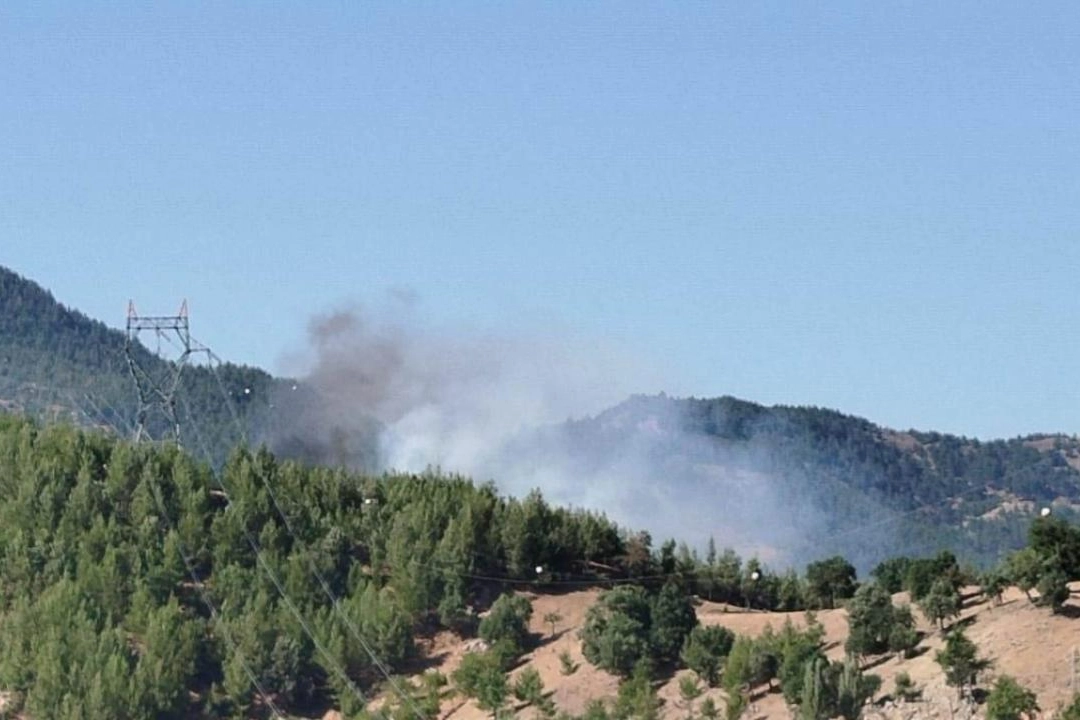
(136, 582)
(787, 483)
(56, 363)
(1023, 641)
(810, 482)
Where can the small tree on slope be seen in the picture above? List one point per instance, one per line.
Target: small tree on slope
(1009, 700)
(941, 603)
(961, 662)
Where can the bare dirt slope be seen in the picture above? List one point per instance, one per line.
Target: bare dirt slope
(1024, 641)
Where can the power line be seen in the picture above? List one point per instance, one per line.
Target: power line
(200, 587)
(324, 585)
(272, 575)
(160, 391)
(818, 542)
(218, 621)
(214, 361)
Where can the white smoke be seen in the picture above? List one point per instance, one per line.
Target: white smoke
(495, 408)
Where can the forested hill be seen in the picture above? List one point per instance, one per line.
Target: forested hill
(57, 363)
(845, 484)
(134, 583)
(838, 482)
(907, 469)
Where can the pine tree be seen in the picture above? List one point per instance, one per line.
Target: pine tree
(1053, 589)
(960, 661)
(480, 676)
(903, 638)
(993, 584)
(453, 556)
(906, 690)
(854, 689)
(672, 620)
(737, 703)
(792, 595)
(616, 634)
(815, 703)
(168, 661)
(829, 581)
(870, 618)
(529, 688)
(507, 623)
(941, 603)
(689, 690)
(797, 648)
(637, 698)
(1024, 568)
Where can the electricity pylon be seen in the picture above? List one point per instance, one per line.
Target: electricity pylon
(155, 381)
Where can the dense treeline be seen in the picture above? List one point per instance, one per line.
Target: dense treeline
(909, 472)
(109, 554)
(102, 616)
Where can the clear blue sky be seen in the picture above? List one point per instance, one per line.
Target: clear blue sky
(867, 206)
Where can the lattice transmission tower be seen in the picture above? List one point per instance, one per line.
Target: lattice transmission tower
(157, 382)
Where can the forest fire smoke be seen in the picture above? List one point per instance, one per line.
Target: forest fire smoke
(385, 395)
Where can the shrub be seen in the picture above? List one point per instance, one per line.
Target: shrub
(705, 649)
(1008, 700)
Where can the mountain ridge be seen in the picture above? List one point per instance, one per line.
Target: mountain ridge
(57, 363)
(928, 489)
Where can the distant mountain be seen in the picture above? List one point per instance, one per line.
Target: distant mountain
(57, 363)
(812, 482)
(804, 482)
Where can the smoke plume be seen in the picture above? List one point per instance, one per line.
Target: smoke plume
(383, 392)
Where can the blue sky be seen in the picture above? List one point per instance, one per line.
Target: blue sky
(872, 207)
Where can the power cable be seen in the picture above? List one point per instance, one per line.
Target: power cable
(819, 543)
(324, 585)
(200, 587)
(179, 324)
(272, 575)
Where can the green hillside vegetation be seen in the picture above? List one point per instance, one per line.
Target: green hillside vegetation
(112, 556)
(101, 615)
(56, 363)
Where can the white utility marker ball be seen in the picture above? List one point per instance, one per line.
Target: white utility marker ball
(247, 391)
(755, 575)
(1045, 512)
(539, 569)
